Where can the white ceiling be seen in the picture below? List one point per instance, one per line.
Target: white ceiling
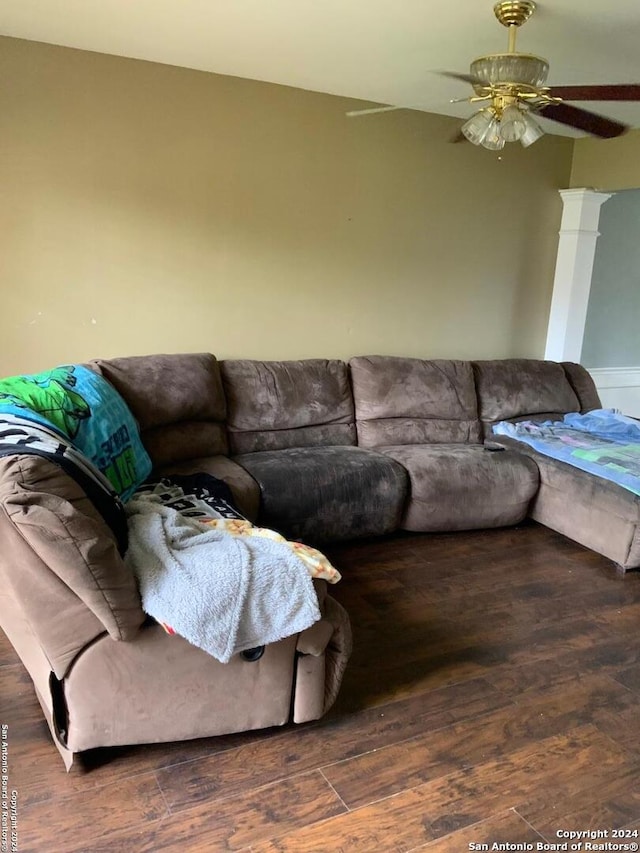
(378, 51)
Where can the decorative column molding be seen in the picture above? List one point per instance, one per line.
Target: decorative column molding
(574, 266)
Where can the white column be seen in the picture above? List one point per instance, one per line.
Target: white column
(574, 265)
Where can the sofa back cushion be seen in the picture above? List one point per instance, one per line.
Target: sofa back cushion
(519, 387)
(413, 401)
(177, 399)
(277, 404)
(582, 383)
(60, 561)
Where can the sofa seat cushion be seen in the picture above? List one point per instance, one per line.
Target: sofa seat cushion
(463, 487)
(320, 494)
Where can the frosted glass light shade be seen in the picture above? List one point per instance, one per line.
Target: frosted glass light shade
(499, 68)
(532, 132)
(493, 138)
(512, 124)
(478, 125)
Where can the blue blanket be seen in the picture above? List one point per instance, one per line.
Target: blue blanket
(87, 411)
(602, 442)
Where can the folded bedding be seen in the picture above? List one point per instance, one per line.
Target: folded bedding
(602, 442)
(87, 412)
(209, 575)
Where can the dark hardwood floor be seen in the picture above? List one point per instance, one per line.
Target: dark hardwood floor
(492, 697)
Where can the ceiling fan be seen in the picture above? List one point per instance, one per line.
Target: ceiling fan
(512, 85)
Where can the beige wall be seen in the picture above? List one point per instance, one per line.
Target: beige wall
(146, 208)
(612, 164)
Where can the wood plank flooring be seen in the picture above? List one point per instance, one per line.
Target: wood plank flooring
(492, 697)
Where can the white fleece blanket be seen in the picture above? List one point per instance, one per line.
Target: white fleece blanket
(222, 593)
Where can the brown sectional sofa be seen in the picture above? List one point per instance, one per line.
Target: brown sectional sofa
(291, 426)
(318, 449)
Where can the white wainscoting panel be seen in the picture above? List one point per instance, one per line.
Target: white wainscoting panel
(619, 388)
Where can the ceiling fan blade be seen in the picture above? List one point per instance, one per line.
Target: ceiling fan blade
(583, 120)
(467, 78)
(372, 110)
(610, 92)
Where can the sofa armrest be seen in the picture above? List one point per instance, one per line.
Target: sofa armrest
(315, 639)
(324, 650)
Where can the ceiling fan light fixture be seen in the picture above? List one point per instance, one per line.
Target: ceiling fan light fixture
(475, 128)
(512, 123)
(532, 132)
(497, 69)
(493, 126)
(493, 138)
(513, 86)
